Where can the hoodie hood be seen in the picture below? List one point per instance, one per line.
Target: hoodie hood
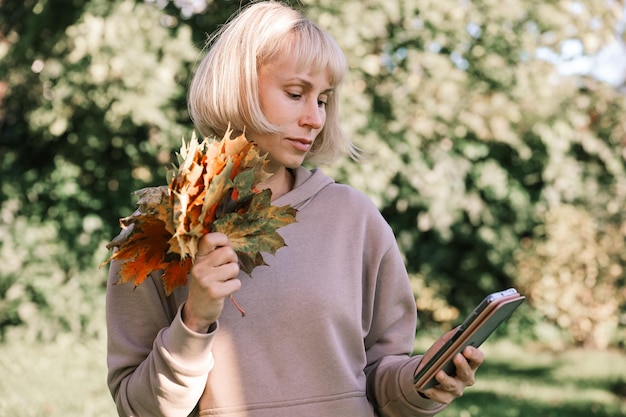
(306, 186)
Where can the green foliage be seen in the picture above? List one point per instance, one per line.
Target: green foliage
(99, 101)
(483, 158)
(91, 113)
(44, 289)
(474, 138)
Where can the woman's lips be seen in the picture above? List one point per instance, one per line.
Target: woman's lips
(303, 145)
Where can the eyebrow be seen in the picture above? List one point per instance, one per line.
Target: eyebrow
(309, 85)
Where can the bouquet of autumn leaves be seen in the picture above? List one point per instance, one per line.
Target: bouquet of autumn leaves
(212, 190)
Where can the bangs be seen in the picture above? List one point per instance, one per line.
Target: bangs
(315, 49)
(311, 48)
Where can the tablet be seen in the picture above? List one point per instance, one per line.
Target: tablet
(475, 329)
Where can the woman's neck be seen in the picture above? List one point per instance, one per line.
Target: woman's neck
(281, 182)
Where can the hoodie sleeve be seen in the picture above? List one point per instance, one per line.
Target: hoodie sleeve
(391, 382)
(156, 365)
(390, 318)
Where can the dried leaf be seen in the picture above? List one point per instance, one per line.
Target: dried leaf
(214, 188)
(255, 230)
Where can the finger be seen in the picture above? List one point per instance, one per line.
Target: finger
(216, 282)
(229, 271)
(225, 255)
(449, 385)
(223, 288)
(446, 382)
(447, 389)
(232, 285)
(464, 372)
(475, 357)
(220, 265)
(211, 241)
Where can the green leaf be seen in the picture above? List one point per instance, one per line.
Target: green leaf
(255, 231)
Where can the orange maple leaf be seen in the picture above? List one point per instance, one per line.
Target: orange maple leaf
(214, 188)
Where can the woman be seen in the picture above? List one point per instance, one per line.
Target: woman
(331, 319)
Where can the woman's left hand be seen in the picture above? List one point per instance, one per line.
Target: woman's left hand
(451, 387)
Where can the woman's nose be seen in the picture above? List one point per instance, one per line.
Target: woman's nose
(313, 115)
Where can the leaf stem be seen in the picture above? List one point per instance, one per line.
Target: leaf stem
(243, 313)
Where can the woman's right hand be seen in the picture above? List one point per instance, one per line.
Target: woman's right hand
(213, 278)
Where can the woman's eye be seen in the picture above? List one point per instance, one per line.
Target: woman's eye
(294, 96)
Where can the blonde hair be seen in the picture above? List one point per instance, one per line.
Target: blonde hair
(224, 90)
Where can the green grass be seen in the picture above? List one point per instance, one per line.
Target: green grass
(65, 378)
(527, 382)
(68, 378)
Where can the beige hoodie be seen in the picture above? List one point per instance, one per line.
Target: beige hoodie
(329, 328)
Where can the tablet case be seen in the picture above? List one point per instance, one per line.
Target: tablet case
(494, 310)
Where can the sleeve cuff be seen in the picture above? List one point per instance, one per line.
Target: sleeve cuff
(186, 346)
(409, 391)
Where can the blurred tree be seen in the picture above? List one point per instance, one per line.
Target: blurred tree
(477, 139)
(479, 153)
(94, 105)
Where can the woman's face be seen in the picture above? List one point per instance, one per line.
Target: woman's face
(295, 101)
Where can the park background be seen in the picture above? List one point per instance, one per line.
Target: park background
(494, 134)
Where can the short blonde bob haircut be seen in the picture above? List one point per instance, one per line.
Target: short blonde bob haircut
(224, 90)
